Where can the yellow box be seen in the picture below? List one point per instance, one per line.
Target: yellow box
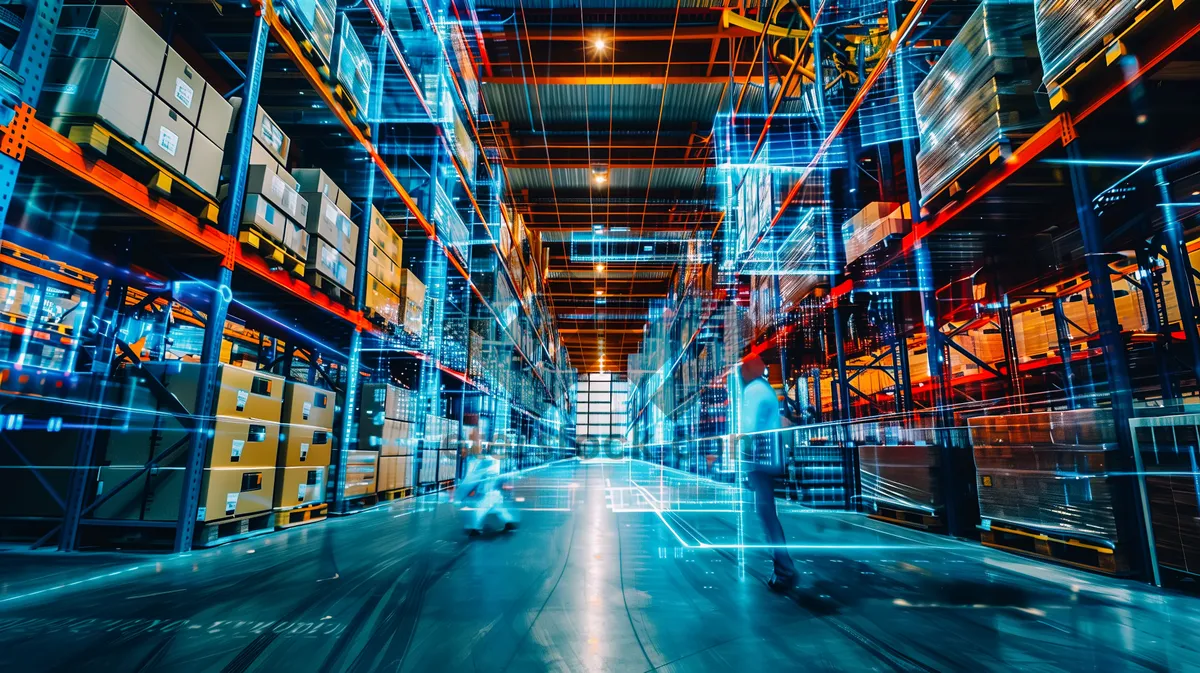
(236, 492)
(299, 486)
(308, 405)
(241, 393)
(384, 235)
(381, 299)
(244, 443)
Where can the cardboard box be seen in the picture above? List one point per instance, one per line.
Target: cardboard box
(204, 164)
(384, 236)
(343, 203)
(229, 493)
(273, 139)
(316, 181)
(395, 472)
(361, 472)
(305, 445)
(266, 218)
(326, 221)
(412, 301)
(181, 87)
(330, 263)
(260, 155)
(295, 238)
(381, 299)
(99, 89)
(396, 438)
(216, 115)
(111, 32)
(168, 135)
(264, 180)
(383, 268)
(299, 486)
(308, 405)
(241, 393)
(241, 442)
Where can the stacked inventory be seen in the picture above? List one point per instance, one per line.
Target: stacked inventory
(980, 96)
(315, 22)
(240, 462)
(274, 213)
(1169, 447)
(381, 299)
(351, 68)
(110, 68)
(874, 223)
(333, 242)
(1047, 471)
(1068, 31)
(440, 449)
(412, 303)
(306, 442)
(386, 427)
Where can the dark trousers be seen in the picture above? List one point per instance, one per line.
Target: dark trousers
(763, 485)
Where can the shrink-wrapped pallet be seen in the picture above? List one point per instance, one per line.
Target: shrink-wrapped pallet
(1070, 31)
(980, 96)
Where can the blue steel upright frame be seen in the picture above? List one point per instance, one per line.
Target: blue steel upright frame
(210, 350)
(29, 58)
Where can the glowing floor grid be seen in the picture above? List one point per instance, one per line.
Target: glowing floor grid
(618, 566)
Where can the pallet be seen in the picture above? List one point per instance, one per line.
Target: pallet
(1140, 36)
(300, 34)
(298, 516)
(1059, 549)
(910, 518)
(132, 158)
(277, 256)
(223, 531)
(353, 109)
(971, 174)
(395, 494)
(329, 287)
(384, 323)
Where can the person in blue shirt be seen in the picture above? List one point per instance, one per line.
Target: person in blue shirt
(759, 422)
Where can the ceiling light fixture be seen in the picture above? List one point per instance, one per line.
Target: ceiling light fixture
(599, 44)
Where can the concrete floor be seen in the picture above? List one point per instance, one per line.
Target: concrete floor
(617, 567)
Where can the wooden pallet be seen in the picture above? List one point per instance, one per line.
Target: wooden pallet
(329, 287)
(910, 518)
(276, 255)
(135, 160)
(368, 500)
(971, 174)
(1145, 31)
(384, 323)
(1060, 549)
(297, 516)
(215, 533)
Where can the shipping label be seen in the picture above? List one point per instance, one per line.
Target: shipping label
(168, 140)
(184, 92)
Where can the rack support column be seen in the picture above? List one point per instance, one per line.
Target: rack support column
(210, 350)
(1181, 270)
(1130, 515)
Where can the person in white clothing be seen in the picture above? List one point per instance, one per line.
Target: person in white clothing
(759, 422)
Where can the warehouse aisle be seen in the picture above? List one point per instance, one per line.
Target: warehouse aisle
(610, 571)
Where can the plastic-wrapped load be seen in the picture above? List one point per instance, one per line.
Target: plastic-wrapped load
(1069, 31)
(1047, 471)
(900, 476)
(980, 95)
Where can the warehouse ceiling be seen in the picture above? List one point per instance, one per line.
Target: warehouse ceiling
(602, 114)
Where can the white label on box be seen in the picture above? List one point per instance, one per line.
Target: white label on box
(235, 453)
(231, 502)
(300, 492)
(168, 140)
(343, 224)
(303, 450)
(243, 396)
(277, 188)
(183, 92)
(306, 410)
(331, 213)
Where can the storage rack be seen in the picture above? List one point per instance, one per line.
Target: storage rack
(933, 324)
(184, 259)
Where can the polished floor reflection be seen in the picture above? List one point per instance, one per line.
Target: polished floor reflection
(617, 567)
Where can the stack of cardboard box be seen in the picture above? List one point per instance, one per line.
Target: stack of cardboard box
(109, 66)
(412, 302)
(239, 469)
(333, 245)
(361, 472)
(382, 294)
(305, 445)
(385, 426)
